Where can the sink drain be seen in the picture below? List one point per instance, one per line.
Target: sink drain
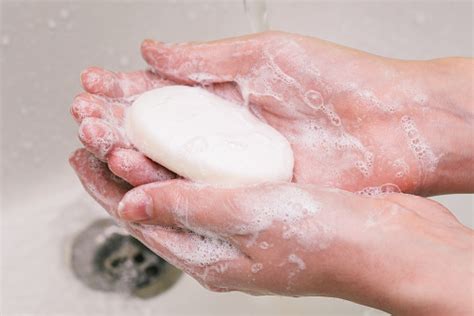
(106, 258)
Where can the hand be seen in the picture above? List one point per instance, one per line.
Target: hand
(99, 111)
(390, 252)
(353, 119)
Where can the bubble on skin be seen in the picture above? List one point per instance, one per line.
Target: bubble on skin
(314, 99)
(203, 77)
(277, 70)
(418, 145)
(292, 258)
(256, 267)
(194, 249)
(92, 78)
(328, 109)
(315, 136)
(286, 203)
(220, 268)
(102, 144)
(379, 190)
(264, 245)
(311, 235)
(369, 97)
(402, 166)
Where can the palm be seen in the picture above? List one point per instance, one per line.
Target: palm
(335, 106)
(345, 128)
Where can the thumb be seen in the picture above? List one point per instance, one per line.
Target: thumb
(181, 204)
(212, 62)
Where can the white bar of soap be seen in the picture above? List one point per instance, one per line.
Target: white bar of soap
(207, 139)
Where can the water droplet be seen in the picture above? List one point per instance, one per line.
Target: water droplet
(51, 24)
(314, 99)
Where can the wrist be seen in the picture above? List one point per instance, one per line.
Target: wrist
(431, 272)
(404, 263)
(444, 117)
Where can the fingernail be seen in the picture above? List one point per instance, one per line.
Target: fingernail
(136, 205)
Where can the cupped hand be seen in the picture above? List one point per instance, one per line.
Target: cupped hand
(100, 111)
(390, 252)
(354, 120)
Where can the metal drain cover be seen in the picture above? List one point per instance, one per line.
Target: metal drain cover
(106, 258)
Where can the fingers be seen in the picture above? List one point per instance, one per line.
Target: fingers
(100, 137)
(136, 168)
(179, 203)
(87, 105)
(119, 84)
(212, 62)
(98, 181)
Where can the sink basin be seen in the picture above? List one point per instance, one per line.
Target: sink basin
(44, 47)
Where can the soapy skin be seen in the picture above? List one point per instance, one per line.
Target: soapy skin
(391, 252)
(355, 121)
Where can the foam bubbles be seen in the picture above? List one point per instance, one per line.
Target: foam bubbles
(418, 145)
(312, 235)
(102, 144)
(256, 267)
(286, 203)
(203, 77)
(402, 166)
(292, 258)
(193, 249)
(380, 190)
(314, 99)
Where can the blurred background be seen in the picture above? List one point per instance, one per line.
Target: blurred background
(47, 219)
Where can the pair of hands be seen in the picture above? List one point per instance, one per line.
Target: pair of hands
(354, 121)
